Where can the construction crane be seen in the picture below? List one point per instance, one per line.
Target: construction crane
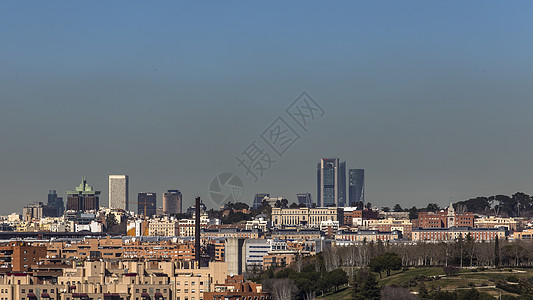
(145, 203)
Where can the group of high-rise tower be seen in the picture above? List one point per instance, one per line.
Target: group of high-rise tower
(331, 184)
(84, 198)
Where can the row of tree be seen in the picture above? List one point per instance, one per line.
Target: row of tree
(460, 253)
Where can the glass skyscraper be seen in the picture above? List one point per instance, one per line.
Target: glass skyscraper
(331, 182)
(356, 185)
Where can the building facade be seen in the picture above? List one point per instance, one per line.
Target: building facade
(147, 204)
(119, 192)
(310, 217)
(331, 183)
(305, 199)
(453, 233)
(258, 200)
(172, 202)
(356, 186)
(83, 198)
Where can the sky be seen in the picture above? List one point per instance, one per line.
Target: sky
(432, 98)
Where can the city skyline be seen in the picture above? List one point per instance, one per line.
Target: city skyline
(431, 99)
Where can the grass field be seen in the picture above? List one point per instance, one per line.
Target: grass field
(435, 278)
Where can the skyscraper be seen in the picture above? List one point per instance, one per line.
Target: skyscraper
(331, 182)
(258, 200)
(83, 198)
(172, 200)
(118, 192)
(146, 201)
(305, 198)
(356, 185)
(55, 206)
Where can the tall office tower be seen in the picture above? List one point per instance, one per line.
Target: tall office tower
(83, 198)
(172, 200)
(146, 201)
(356, 186)
(305, 198)
(55, 206)
(118, 192)
(331, 182)
(258, 200)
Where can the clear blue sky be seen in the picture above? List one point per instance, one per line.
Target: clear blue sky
(432, 98)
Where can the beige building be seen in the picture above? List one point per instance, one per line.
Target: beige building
(163, 227)
(496, 222)
(311, 217)
(403, 225)
(118, 280)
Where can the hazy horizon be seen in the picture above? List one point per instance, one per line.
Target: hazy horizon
(432, 99)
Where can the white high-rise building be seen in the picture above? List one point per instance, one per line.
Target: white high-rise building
(118, 192)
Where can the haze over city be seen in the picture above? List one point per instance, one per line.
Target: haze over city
(433, 100)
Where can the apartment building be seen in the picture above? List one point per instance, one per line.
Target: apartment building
(368, 235)
(390, 224)
(19, 256)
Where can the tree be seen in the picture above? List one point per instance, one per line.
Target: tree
(397, 208)
(240, 206)
(385, 262)
(368, 205)
(281, 289)
(111, 220)
(385, 209)
(496, 252)
(370, 289)
(413, 213)
(365, 286)
(337, 277)
(293, 205)
(433, 207)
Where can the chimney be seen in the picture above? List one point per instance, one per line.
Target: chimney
(197, 233)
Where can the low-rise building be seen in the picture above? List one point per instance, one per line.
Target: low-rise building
(236, 287)
(453, 233)
(368, 235)
(403, 225)
(496, 222)
(304, 216)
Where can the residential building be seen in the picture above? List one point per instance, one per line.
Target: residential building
(279, 259)
(368, 235)
(354, 217)
(163, 227)
(19, 256)
(236, 287)
(297, 234)
(402, 225)
(33, 211)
